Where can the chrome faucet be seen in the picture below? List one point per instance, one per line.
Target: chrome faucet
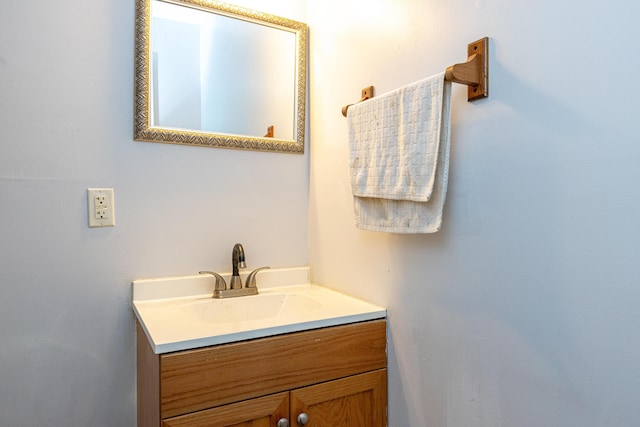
(235, 288)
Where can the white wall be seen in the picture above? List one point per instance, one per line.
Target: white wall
(67, 355)
(255, 89)
(175, 80)
(524, 310)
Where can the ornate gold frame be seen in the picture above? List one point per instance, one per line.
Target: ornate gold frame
(142, 129)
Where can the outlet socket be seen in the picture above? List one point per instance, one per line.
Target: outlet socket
(101, 207)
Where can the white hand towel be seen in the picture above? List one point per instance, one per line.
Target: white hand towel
(399, 157)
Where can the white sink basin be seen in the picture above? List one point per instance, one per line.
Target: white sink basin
(248, 309)
(179, 313)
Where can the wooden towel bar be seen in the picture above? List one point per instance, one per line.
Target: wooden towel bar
(473, 73)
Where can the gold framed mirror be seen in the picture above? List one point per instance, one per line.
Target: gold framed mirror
(213, 74)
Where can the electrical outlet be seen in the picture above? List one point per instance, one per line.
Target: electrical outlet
(101, 208)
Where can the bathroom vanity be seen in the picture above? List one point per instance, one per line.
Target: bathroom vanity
(323, 365)
(336, 375)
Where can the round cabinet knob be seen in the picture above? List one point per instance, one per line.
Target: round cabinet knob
(283, 422)
(303, 419)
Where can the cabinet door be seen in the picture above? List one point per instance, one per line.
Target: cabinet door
(356, 401)
(259, 412)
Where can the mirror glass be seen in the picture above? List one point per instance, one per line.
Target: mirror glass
(213, 74)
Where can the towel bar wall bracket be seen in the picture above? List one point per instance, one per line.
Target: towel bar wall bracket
(475, 72)
(367, 93)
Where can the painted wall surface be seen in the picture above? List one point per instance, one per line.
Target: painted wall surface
(176, 92)
(67, 355)
(255, 88)
(524, 310)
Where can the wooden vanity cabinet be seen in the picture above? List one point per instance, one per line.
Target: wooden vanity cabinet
(335, 375)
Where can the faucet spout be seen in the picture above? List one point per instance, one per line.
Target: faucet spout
(237, 262)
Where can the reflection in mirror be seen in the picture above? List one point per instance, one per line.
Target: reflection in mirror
(213, 74)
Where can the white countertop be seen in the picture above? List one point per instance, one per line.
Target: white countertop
(178, 313)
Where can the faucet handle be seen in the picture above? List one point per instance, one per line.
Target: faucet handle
(251, 278)
(220, 285)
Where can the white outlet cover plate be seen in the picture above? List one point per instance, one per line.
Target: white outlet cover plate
(107, 217)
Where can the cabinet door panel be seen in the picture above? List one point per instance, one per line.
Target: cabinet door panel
(357, 401)
(259, 412)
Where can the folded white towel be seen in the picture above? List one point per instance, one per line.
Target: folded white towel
(399, 157)
(394, 141)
